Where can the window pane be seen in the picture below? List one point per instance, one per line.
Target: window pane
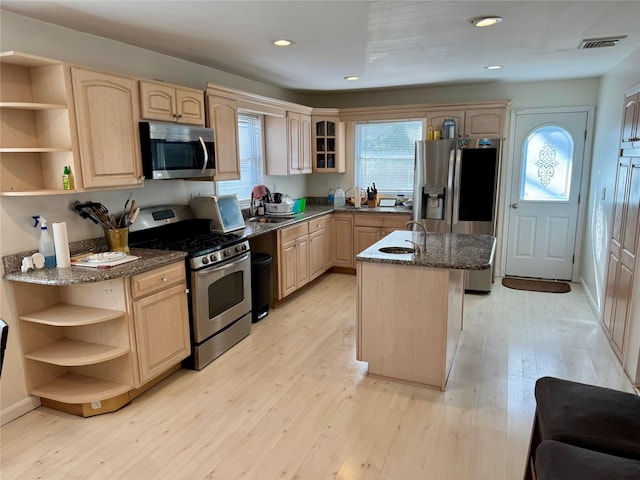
(547, 160)
(251, 162)
(385, 154)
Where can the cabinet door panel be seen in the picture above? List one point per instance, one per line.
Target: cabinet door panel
(632, 217)
(317, 253)
(162, 331)
(631, 118)
(364, 237)
(621, 314)
(107, 112)
(436, 119)
(302, 261)
(190, 105)
(157, 101)
(287, 268)
(330, 241)
(223, 117)
(483, 122)
(305, 144)
(293, 130)
(343, 235)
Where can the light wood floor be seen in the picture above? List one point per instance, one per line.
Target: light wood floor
(290, 401)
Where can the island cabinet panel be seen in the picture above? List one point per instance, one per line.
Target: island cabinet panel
(108, 111)
(409, 321)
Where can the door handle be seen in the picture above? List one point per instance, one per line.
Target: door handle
(514, 205)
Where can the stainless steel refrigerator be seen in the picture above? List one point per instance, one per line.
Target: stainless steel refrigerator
(455, 190)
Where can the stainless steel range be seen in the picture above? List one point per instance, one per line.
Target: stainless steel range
(219, 276)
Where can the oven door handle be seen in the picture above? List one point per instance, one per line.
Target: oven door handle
(218, 268)
(206, 155)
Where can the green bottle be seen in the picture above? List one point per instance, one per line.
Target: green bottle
(67, 179)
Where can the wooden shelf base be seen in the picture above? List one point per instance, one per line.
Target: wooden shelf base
(74, 388)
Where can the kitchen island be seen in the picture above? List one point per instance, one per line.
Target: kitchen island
(410, 306)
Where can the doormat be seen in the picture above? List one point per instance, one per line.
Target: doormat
(536, 285)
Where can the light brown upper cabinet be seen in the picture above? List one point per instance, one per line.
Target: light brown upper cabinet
(38, 126)
(288, 144)
(630, 121)
(471, 123)
(328, 136)
(171, 103)
(222, 116)
(107, 112)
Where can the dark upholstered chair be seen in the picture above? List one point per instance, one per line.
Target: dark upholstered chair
(593, 418)
(3, 341)
(561, 461)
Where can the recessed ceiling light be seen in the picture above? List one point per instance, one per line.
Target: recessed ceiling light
(282, 42)
(486, 21)
(351, 77)
(493, 67)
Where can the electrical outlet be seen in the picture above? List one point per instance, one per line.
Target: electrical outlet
(96, 405)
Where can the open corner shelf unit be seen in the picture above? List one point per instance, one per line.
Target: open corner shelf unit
(37, 125)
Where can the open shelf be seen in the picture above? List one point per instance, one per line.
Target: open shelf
(74, 388)
(65, 315)
(70, 353)
(32, 106)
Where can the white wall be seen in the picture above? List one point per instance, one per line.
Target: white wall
(603, 177)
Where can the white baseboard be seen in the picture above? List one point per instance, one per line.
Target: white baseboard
(590, 300)
(18, 409)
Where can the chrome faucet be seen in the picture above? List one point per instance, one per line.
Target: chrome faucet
(421, 225)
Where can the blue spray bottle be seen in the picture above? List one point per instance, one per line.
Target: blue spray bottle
(45, 246)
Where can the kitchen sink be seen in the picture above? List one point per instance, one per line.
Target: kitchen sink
(397, 250)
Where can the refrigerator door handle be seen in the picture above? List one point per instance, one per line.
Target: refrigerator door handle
(450, 190)
(456, 186)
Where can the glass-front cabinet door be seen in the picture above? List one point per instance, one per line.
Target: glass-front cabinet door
(328, 148)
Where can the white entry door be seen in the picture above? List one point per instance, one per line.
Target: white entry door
(549, 152)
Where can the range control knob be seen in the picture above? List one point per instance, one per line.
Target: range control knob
(227, 252)
(205, 260)
(241, 248)
(213, 257)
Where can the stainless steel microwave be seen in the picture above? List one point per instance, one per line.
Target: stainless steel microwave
(172, 151)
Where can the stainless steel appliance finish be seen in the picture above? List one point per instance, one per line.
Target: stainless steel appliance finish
(176, 151)
(219, 276)
(456, 190)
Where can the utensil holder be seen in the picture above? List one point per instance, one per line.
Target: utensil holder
(373, 202)
(117, 239)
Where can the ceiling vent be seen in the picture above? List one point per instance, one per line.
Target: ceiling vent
(600, 42)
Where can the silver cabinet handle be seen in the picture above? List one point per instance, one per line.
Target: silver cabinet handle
(165, 279)
(514, 205)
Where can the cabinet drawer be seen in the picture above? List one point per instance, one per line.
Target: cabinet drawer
(291, 233)
(388, 220)
(154, 280)
(316, 224)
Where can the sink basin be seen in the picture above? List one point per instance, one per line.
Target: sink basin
(397, 250)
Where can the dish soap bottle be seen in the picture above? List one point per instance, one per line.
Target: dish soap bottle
(339, 198)
(67, 179)
(330, 197)
(45, 245)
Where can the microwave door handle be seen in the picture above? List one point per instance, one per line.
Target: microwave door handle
(206, 155)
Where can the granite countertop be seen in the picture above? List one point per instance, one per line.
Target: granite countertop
(255, 228)
(453, 251)
(149, 259)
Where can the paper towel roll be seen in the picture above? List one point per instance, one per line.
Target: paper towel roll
(61, 244)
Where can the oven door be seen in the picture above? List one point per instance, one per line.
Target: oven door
(221, 294)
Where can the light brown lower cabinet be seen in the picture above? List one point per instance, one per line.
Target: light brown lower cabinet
(162, 334)
(370, 228)
(343, 240)
(87, 347)
(302, 255)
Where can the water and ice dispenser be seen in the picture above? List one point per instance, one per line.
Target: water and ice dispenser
(433, 202)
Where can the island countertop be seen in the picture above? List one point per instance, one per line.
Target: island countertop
(454, 251)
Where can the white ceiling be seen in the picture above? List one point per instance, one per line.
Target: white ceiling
(387, 44)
